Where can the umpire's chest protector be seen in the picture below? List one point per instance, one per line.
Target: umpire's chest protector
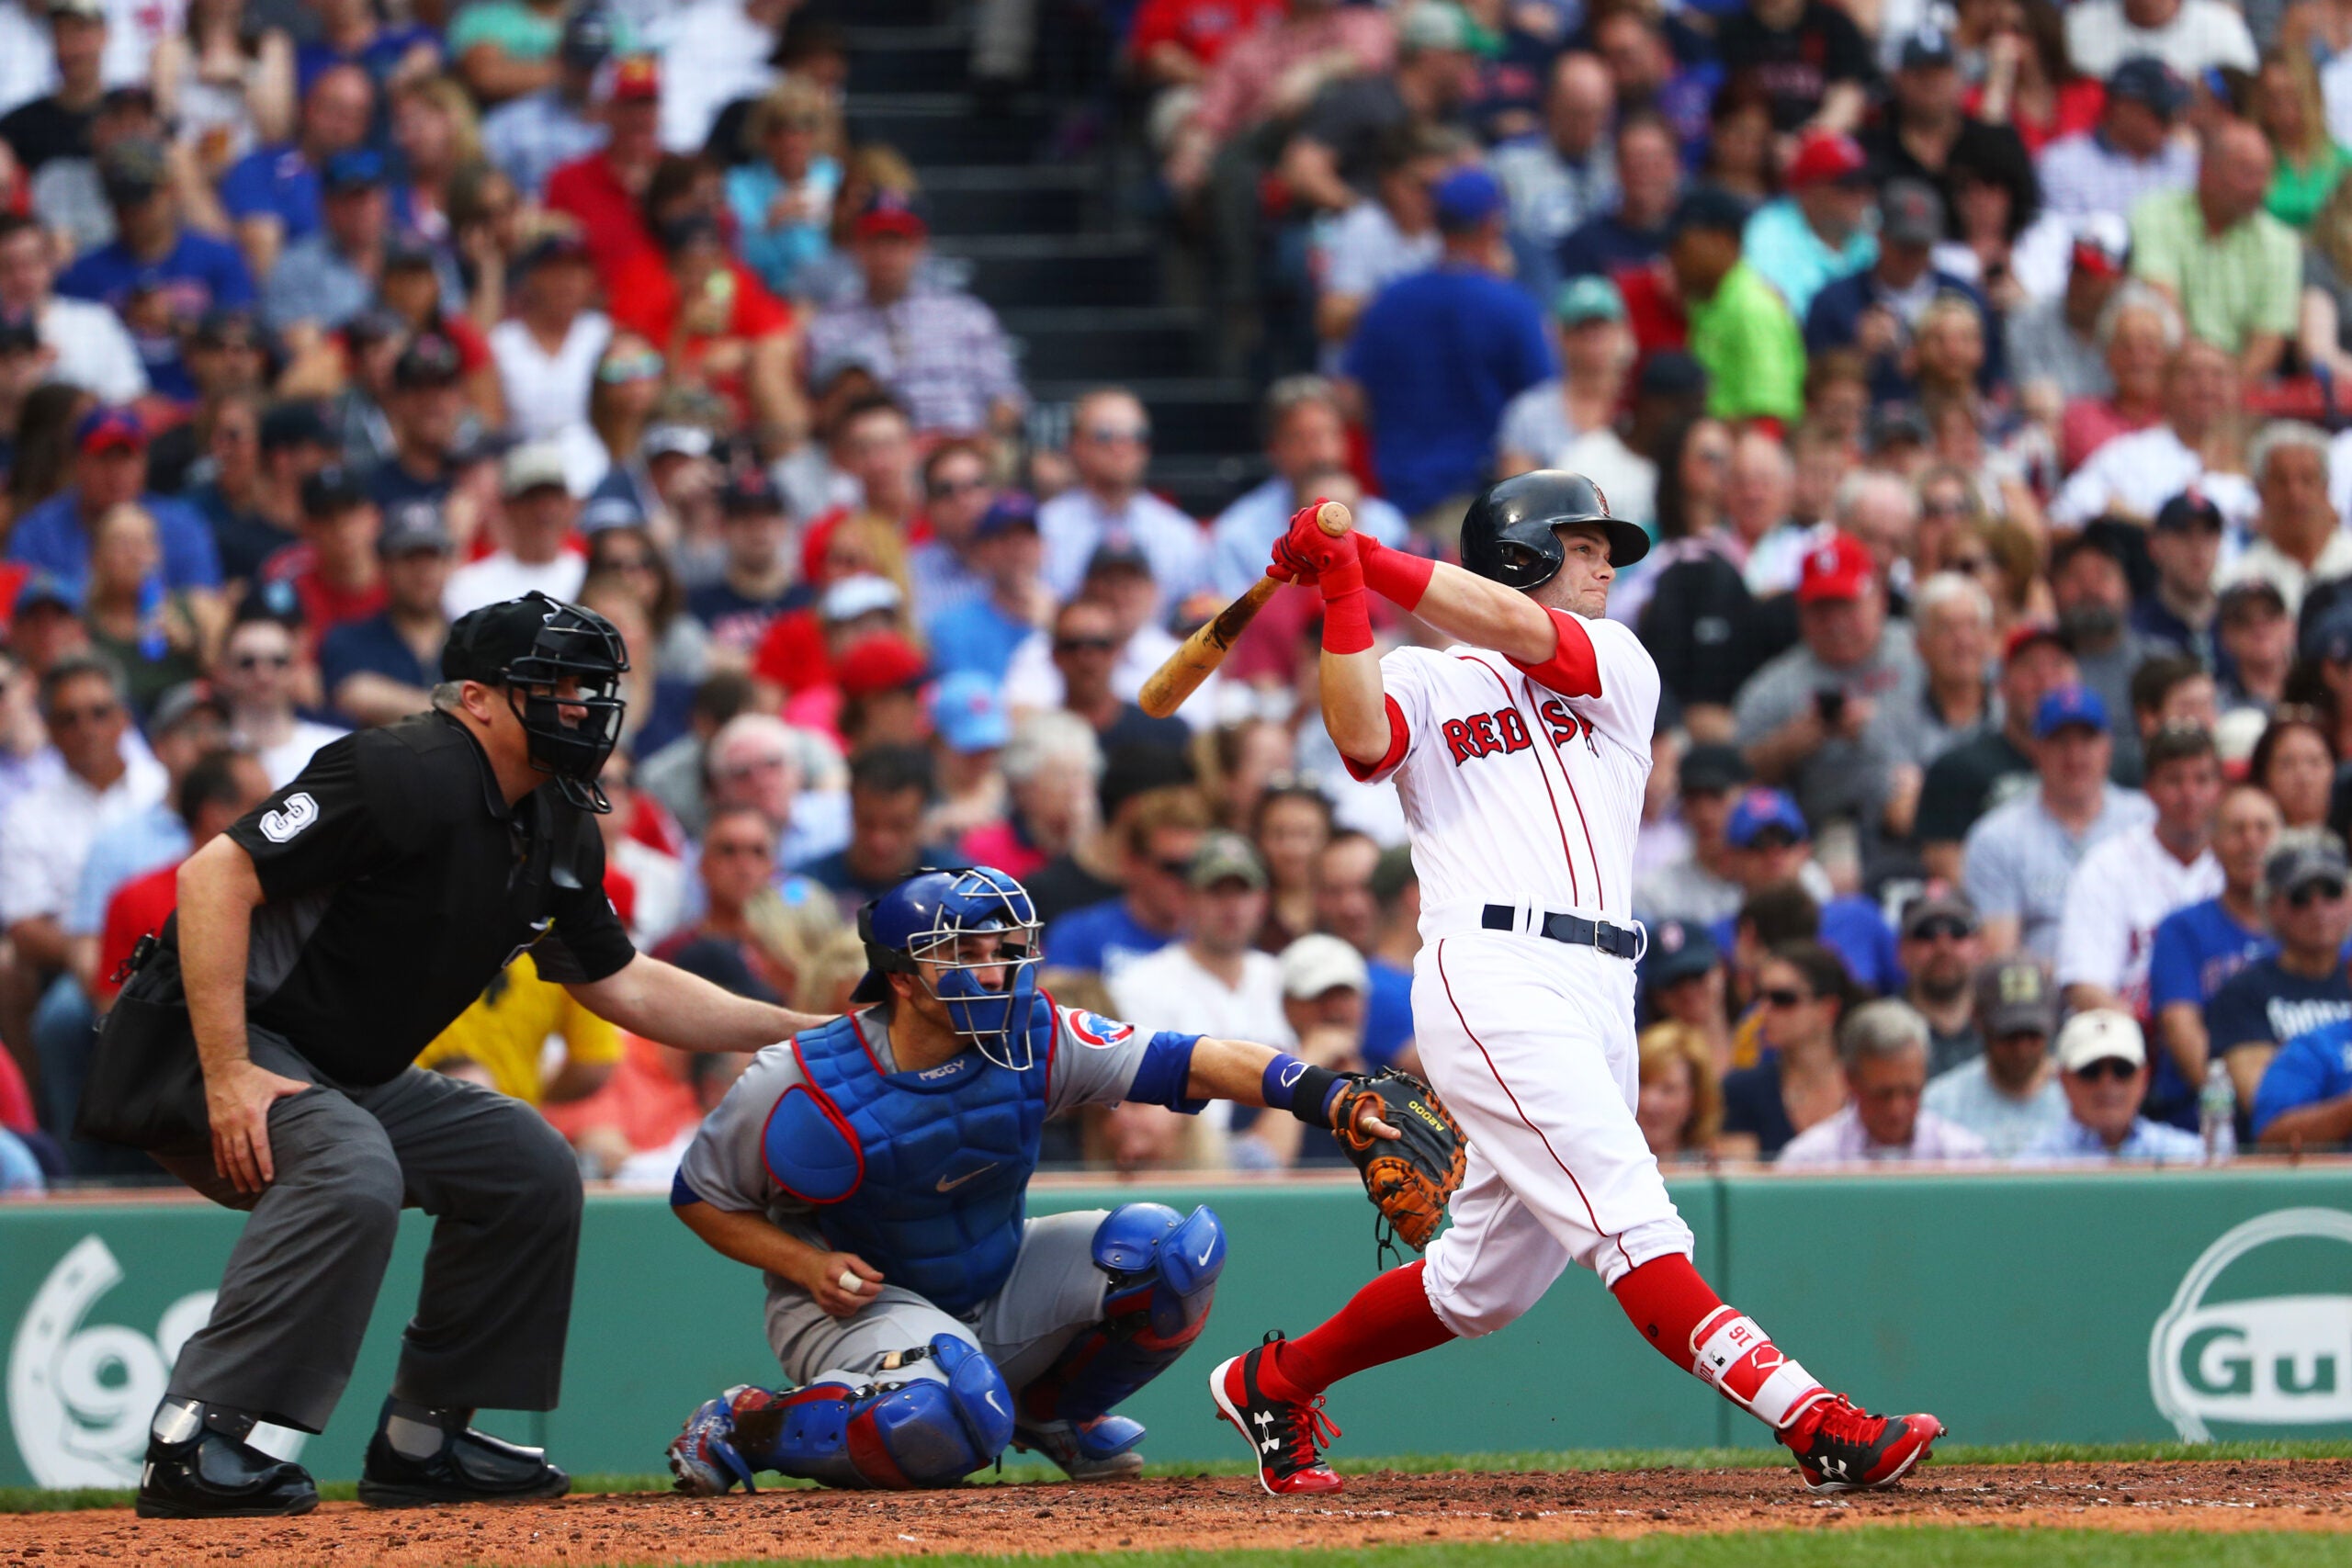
(924, 1175)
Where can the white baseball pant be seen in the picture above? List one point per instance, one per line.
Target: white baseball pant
(1530, 1043)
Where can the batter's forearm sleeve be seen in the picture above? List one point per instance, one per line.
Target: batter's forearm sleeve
(1574, 669)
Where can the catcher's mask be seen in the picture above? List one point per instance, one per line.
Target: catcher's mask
(561, 667)
(969, 938)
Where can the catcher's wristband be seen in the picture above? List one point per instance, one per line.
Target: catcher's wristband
(1305, 1091)
(1399, 576)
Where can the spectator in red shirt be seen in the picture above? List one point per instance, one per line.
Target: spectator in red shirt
(1173, 43)
(604, 191)
(218, 789)
(718, 327)
(333, 569)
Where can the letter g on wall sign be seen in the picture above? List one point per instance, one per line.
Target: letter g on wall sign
(2260, 1331)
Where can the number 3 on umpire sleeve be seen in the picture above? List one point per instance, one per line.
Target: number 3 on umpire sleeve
(299, 812)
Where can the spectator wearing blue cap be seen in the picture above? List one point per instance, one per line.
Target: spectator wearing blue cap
(979, 635)
(272, 193)
(329, 276)
(1771, 844)
(1683, 981)
(1441, 353)
(111, 470)
(2017, 858)
(2130, 153)
(154, 254)
(968, 732)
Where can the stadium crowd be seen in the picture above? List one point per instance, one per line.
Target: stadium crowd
(1973, 368)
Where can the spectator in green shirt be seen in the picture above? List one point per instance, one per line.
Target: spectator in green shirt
(1740, 327)
(506, 48)
(2290, 108)
(2235, 270)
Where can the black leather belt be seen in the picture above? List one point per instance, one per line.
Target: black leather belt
(1572, 930)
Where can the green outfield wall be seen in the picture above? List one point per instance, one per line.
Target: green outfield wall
(2094, 1308)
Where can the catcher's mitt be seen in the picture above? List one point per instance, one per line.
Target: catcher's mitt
(1410, 1178)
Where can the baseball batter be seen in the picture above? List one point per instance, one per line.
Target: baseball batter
(1519, 755)
(877, 1169)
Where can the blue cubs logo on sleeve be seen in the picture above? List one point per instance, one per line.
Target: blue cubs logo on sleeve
(1093, 1029)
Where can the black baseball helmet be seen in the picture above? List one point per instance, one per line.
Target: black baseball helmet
(1507, 535)
(561, 666)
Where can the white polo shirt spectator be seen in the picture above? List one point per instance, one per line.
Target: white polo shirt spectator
(2192, 36)
(2121, 892)
(2139, 472)
(1843, 1140)
(717, 51)
(47, 833)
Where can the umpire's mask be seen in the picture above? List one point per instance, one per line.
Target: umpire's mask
(561, 666)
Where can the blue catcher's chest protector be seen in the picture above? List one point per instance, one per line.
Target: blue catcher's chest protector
(924, 1175)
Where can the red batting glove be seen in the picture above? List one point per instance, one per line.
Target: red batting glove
(1305, 552)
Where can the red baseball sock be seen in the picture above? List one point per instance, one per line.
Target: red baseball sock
(1720, 1345)
(1667, 1299)
(1388, 1320)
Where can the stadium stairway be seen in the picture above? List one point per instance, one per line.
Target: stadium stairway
(1051, 225)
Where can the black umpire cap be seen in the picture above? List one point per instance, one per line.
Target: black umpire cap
(486, 641)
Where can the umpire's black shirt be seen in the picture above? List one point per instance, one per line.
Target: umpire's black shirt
(399, 882)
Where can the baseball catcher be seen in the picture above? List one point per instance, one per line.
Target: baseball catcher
(877, 1169)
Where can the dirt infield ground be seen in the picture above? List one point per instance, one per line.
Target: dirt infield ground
(1387, 1506)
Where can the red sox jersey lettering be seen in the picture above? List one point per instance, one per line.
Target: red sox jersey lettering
(1524, 783)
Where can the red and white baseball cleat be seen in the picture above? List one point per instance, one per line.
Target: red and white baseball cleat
(1285, 1438)
(1842, 1449)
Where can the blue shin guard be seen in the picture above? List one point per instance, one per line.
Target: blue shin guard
(1163, 1274)
(892, 1435)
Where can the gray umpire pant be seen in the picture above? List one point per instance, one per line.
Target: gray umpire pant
(504, 1190)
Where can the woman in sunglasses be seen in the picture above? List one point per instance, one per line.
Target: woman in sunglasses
(1803, 992)
(783, 196)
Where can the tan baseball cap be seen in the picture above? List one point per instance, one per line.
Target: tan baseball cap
(1314, 964)
(2097, 1035)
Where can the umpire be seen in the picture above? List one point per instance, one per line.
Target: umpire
(262, 1052)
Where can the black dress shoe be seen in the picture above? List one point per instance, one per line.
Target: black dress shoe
(470, 1467)
(215, 1476)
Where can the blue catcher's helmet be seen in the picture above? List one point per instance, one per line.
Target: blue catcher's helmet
(929, 918)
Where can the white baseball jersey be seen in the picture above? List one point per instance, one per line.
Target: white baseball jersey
(2120, 893)
(1524, 782)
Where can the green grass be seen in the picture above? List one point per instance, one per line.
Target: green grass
(1862, 1546)
(30, 1500)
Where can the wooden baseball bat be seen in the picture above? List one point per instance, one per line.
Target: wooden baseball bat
(1201, 652)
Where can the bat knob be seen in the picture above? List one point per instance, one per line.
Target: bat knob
(1334, 518)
